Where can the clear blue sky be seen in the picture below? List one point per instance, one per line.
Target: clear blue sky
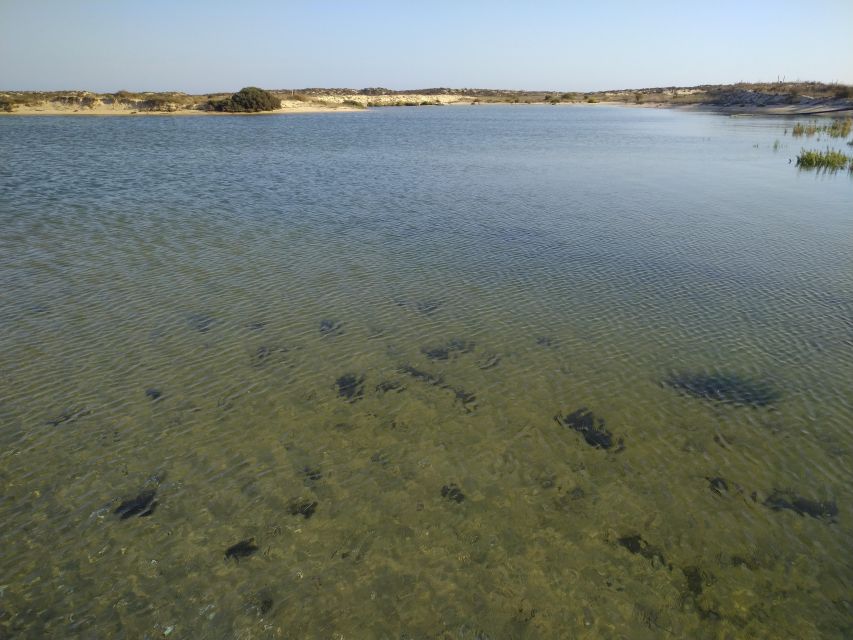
(202, 46)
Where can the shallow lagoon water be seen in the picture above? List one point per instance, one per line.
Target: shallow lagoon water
(336, 346)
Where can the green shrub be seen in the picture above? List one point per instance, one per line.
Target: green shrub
(353, 103)
(247, 100)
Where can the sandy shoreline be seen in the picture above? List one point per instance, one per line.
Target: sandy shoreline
(95, 106)
(107, 111)
(104, 110)
(83, 104)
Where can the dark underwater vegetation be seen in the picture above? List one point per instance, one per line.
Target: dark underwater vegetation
(725, 387)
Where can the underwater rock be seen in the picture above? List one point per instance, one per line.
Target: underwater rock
(695, 580)
(576, 493)
(302, 508)
(264, 352)
(449, 350)
(591, 428)
(465, 398)
(779, 500)
(488, 361)
(69, 415)
(142, 505)
(200, 322)
(259, 603)
(636, 545)
(381, 458)
(331, 327)
(350, 387)
(718, 485)
(261, 353)
(436, 353)
(750, 563)
(547, 480)
(452, 492)
(458, 345)
(423, 376)
(728, 388)
(390, 385)
(242, 549)
(427, 307)
(153, 394)
(311, 475)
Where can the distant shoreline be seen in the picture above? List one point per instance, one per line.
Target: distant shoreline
(783, 99)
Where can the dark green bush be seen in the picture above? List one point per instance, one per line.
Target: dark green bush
(247, 100)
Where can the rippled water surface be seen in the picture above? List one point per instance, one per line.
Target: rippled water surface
(361, 343)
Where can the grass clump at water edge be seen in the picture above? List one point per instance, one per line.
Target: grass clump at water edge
(840, 128)
(830, 160)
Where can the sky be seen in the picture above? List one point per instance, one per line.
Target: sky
(202, 46)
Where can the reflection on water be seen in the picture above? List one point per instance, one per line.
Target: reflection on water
(487, 372)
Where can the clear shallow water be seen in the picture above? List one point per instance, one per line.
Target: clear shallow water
(577, 256)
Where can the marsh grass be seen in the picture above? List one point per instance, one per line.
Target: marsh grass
(829, 160)
(840, 128)
(807, 130)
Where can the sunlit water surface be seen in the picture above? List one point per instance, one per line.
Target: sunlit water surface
(383, 313)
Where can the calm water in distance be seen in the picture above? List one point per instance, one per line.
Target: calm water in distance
(344, 340)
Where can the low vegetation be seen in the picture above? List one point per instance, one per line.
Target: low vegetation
(838, 128)
(247, 100)
(830, 160)
(801, 129)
